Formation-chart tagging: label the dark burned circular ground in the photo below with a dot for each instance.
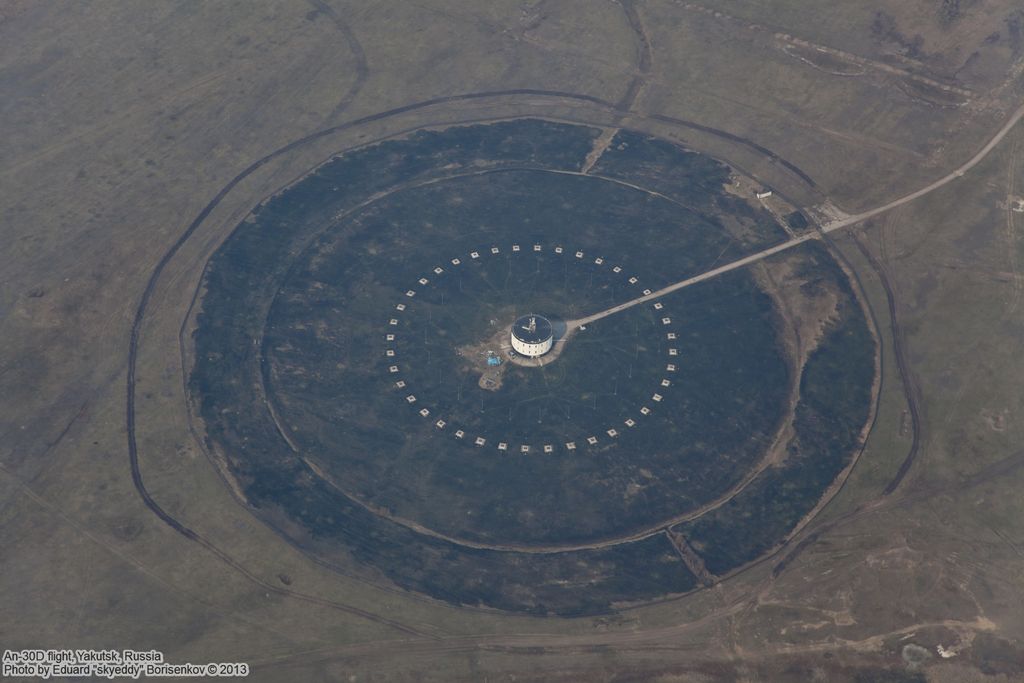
(372, 360)
(341, 359)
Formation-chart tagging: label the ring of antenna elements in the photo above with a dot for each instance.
(595, 440)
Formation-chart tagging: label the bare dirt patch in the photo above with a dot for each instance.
(804, 307)
(932, 93)
(498, 346)
(824, 61)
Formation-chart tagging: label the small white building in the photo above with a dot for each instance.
(532, 335)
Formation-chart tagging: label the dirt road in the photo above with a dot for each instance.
(838, 224)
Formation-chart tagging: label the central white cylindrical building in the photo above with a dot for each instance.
(532, 335)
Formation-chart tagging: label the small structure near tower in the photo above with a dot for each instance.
(532, 335)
